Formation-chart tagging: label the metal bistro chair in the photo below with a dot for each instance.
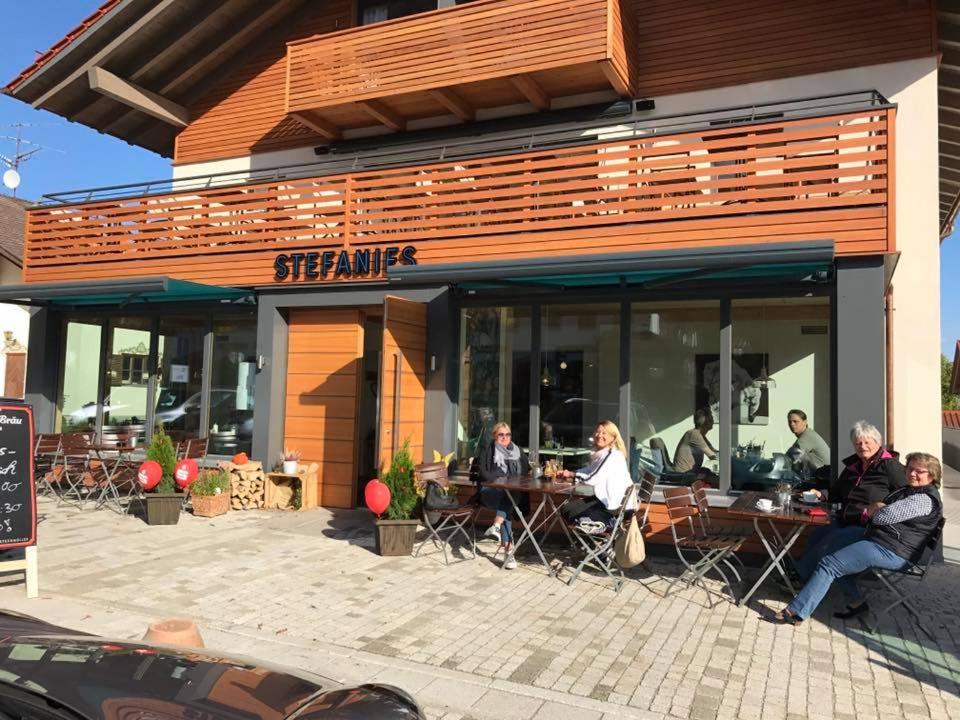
(46, 455)
(705, 552)
(598, 552)
(447, 522)
(709, 530)
(117, 476)
(893, 582)
(75, 483)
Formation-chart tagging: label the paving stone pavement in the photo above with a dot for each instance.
(472, 641)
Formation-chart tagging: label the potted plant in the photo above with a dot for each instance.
(162, 502)
(395, 535)
(290, 460)
(210, 493)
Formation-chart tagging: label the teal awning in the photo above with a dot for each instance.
(126, 291)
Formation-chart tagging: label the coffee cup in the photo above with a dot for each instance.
(810, 497)
(765, 504)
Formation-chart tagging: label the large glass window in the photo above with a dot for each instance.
(77, 404)
(180, 375)
(781, 363)
(579, 377)
(674, 380)
(495, 375)
(126, 374)
(233, 375)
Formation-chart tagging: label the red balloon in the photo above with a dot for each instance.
(377, 497)
(186, 472)
(149, 474)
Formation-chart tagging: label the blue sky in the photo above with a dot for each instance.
(89, 159)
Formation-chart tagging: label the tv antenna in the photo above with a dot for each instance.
(23, 150)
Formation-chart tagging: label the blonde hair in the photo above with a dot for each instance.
(499, 426)
(930, 464)
(611, 429)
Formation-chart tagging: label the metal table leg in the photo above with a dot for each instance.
(776, 556)
(527, 532)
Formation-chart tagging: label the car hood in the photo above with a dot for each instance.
(99, 678)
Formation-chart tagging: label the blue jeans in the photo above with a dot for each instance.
(824, 541)
(842, 566)
(497, 500)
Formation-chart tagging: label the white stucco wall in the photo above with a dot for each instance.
(912, 85)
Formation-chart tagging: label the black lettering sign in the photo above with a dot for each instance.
(341, 264)
(18, 499)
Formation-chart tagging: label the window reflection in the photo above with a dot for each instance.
(77, 403)
(232, 380)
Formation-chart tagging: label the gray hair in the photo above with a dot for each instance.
(861, 428)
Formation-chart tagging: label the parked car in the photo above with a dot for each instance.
(176, 414)
(52, 673)
(573, 421)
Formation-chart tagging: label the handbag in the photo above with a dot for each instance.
(437, 499)
(629, 548)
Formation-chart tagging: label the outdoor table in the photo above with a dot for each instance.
(110, 456)
(776, 545)
(548, 489)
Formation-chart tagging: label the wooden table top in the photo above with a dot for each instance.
(746, 506)
(528, 483)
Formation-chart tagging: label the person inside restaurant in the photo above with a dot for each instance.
(501, 457)
(810, 452)
(694, 446)
(868, 476)
(896, 532)
(607, 473)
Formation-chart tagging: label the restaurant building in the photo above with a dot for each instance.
(394, 220)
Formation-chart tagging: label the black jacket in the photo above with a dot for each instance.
(857, 488)
(908, 538)
(485, 470)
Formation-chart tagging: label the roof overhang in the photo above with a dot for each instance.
(83, 293)
(656, 268)
(948, 101)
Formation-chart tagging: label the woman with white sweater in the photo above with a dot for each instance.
(609, 476)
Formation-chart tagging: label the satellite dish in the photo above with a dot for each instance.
(11, 178)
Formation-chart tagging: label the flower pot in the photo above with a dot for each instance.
(290, 467)
(210, 505)
(163, 508)
(394, 538)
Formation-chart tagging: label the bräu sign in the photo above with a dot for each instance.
(344, 263)
(18, 499)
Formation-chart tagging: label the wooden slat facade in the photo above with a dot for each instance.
(473, 51)
(324, 353)
(669, 47)
(768, 182)
(404, 337)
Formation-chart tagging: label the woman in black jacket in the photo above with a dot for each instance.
(868, 476)
(501, 457)
(897, 531)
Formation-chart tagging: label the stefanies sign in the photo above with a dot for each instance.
(354, 263)
(18, 500)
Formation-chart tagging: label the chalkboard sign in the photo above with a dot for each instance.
(18, 499)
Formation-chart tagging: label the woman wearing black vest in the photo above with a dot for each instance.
(896, 533)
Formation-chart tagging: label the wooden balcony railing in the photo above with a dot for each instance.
(813, 178)
(459, 60)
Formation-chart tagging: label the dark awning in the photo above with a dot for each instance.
(124, 291)
(784, 261)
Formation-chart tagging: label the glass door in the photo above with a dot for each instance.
(79, 383)
(126, 374)
(179, 383)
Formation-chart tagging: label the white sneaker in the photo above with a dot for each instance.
(592, 527)
(492, 532)
(510, 562)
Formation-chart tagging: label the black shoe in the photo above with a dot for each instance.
(852, 612)
(781, 618)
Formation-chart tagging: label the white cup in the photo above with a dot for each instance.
(810, 497)
(765, 504)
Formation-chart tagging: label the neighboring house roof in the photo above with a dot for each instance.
(12, 220)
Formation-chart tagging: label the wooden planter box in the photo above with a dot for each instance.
(394, 538)
(162, 508)
(210, 505)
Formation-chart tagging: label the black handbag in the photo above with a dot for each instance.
(437, 499)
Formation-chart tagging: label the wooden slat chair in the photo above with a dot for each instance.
(74, 482)
(698, 553)
(893, 581)
(457, 520)
(598, 553)
(46, 457)
(195, 448)
(731, 533)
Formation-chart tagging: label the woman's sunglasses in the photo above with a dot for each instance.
(504, 435)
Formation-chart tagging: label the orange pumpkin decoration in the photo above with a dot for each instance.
(240, 459)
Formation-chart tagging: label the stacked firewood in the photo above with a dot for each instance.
(246, 485)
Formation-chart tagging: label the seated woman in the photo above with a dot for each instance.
(694, 446)
(869, 475)
(897, 531)
(607, 473)
(501, 458)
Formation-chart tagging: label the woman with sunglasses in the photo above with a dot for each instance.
(502, 458)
